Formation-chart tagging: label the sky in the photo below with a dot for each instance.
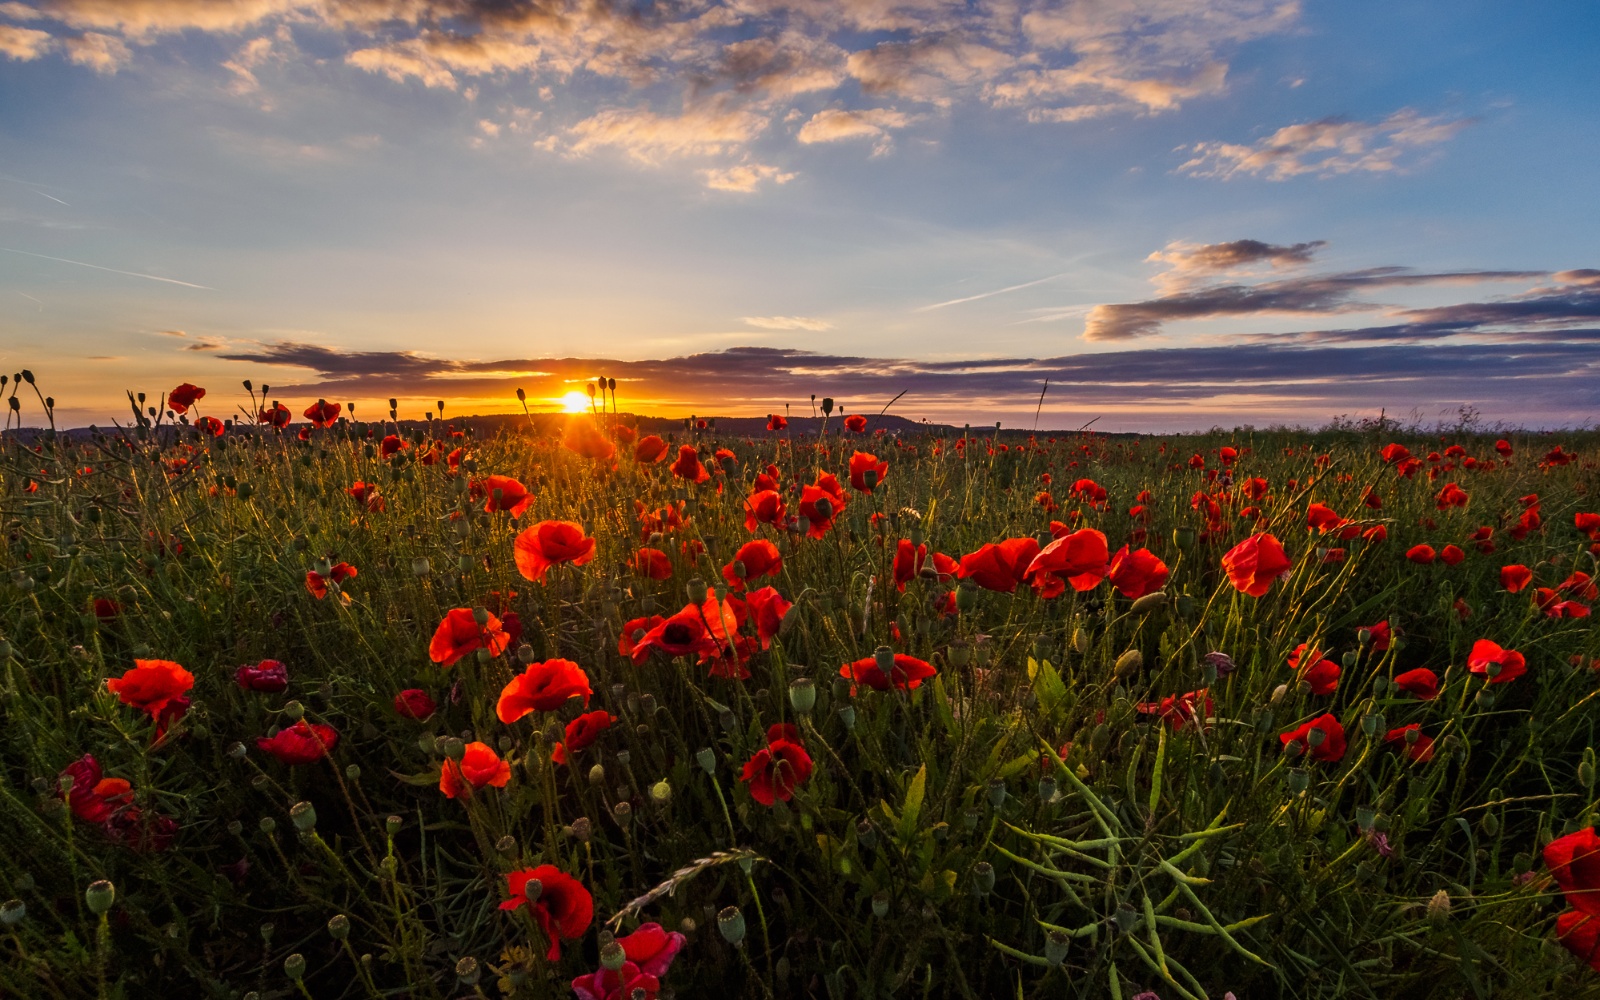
(1182, 213)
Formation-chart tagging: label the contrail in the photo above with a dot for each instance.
(97, 267)
(30, 298)
(998, 291)
(52, 198)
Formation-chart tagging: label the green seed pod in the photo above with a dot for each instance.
(339, 927)
(267, 824)
(661, 792)
(1299, 781)
(1055, 947)
(802, 695)
(880, 904)
(982, 878)
(847, 715)
(997, 792)
(1586, 769)
(295, 967)
(866, 834)
(13, 912)
(468, 970)
(304, 815)
(391, 826)
(731, 923)
(294, 710)
(99, 896)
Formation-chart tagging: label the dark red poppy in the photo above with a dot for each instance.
(106, 609)
(623, 434)
(908, 561)
(649, 449)
(684, 634)
(584, 438)
(542, 687)
(862, 463)
(390, 445)
(367, 495)
(819, 507)
(1451, 555)
(1137, 573)
(1380, 636)
(184, 396)
(1422, 554)
(907, 674)
(277, 415)
(581, 734)
(688, 467)
(652, 948)
(767, 608)
(317, 584)
(1507, 664)
(1421, 682)
(775, 770)
(1395, 453)
(1255, 563)
(322, 413)
(1579, 933)
(157, 687)
(564, 908)
(266, 677)
(855, 423)
(652, 564)
(1321, 674)
(776, 422)
(211, 426)
(414, 704)
(1515, 577)
(1079, 558)
(635, 630)
(507, 494)
(94, 798)
(1451, 496)
(764, 507)
(1418, 748)
(1323, 518)
(758, 558)
(301, 743)
(1175, 710)
(1000, 567)
(1574, 860)
(1332, 746)
(459, 634)
(550, 543)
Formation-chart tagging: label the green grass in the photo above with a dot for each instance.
(940, 847)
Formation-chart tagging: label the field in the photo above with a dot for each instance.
(311, 706)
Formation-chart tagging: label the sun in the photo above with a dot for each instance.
(575, 402)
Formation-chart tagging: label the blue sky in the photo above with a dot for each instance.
(1175, 210)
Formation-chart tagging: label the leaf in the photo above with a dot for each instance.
(1018, 764)
(912, 810)
(423, 780)
(1047, 685)
(941, 705)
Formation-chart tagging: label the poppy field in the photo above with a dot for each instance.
(304, 705)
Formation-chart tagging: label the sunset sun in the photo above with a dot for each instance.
(574, 402)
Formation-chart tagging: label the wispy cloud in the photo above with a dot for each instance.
(112, 270)
(991, 294)
(787, 322)
(1327, 148)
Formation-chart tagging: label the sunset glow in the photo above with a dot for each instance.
(575, 402)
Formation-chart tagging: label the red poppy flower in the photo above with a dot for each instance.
(414, 704)
(1579, 584)
(1080, 558)
(1381, 636)
(907, 674)
(908, 561)
(684, 634)
(1394, 453)
(1422, 555)
(1321, 674)
(267, 677)
(211, 426)
(764, 507)
(1419, 750)
(1451, 496)
(1421, 682)
(1515, 577)
(367, 495)
(184, 396)
(459, 634)
(322, 413)
(301, 743)
(276, 415)
(855, 423)
(581, 734)
(542, 687)
(1333, 745)
(623, 434)
(1588, 523)
(317, 584)
(1574, 860)
(649, 449)
(1323, 518)
(768, 480)
(860, 464)
(775, 770)
(157, 687)
(1255, 563)
(584, 438)
(1376, 533)
(652, 564)
(479, 766)
(1451, 555)
(564, 908)
(390, 445)
(688, 467)
(1579, 933)
(106, 609)
(1137, 573)
(624, 983)
(651, 948)
(1175, 710)
(776, 422)
(635, 630)
(94, 798)
(759, 558)
(820, 504)
(507, 494)
(550, 543)
(767, 608)
(1001, 567)
(1510, 663)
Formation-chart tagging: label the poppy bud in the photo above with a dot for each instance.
(884, 657)
(1484, 699)
(982, 878)
(13, 912)
(452, 747)
(802, 524)
(295, 966)
(966, 597)
(847, 715)
(304, 815)
(391, 826)
(1129, 661)
(803, 695)
(1380, 685)
(1278, 693)
(1149, 602)
(464, 564)
(339, 927)
(1586, 769)
(100, 895)
(294, 710)
(870, 478)
(827, 405)
(728, 720)
(1183, 538)
(880, 904)
(1439, 908)
(1351, 658)
(1055, 947)
(1371, 724)
(731, 923)
(1299, 780)
(696, 590)
(522, 396)
(597, 775)
(468, 970)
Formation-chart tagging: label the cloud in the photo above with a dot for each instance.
(1332, 294)
(1234, 255)
(206, 344)
(1148, 389)
(1327, 148)
(24, 44)
(744, 177)
(787, 322)
(704, 77)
